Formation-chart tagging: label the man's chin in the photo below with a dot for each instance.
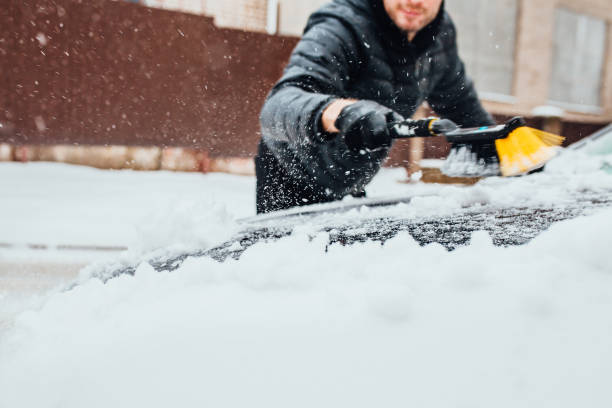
(410, 29)
(409, 26)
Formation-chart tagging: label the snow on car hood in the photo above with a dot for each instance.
(361, 326)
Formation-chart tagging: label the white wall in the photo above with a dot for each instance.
(293, 15)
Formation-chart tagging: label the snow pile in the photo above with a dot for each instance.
(366, 325)
(185, 225)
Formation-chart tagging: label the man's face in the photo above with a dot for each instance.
(412, 15)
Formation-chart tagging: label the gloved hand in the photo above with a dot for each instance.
(364, 125)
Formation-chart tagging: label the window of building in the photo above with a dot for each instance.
(578, 58)
(486, 33)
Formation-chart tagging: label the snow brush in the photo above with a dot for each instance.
(511, 149)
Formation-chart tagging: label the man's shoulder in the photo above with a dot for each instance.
(447, 34)
(448, 26)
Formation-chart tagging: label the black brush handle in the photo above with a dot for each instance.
(485, 133)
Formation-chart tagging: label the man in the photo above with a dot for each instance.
(359, 65)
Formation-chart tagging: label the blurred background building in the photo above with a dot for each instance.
(522, 54)
(193, 73)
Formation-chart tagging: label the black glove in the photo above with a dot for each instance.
(364, 125)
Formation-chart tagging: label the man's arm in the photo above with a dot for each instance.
(313, 82)
(454, 96)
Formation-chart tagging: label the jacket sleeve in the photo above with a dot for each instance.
(317, 73)
(454, 96)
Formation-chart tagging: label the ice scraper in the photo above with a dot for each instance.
(510, 149)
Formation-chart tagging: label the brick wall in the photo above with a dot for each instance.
(117, 73)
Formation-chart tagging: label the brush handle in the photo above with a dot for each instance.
(485, 133)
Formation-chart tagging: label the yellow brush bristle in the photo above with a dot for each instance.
(548, 138)
(525, 149)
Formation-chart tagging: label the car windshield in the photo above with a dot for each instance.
(599, 143)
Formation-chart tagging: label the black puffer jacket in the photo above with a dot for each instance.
(352, 49)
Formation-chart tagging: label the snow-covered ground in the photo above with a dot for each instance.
(290, 324)
(57, 204)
